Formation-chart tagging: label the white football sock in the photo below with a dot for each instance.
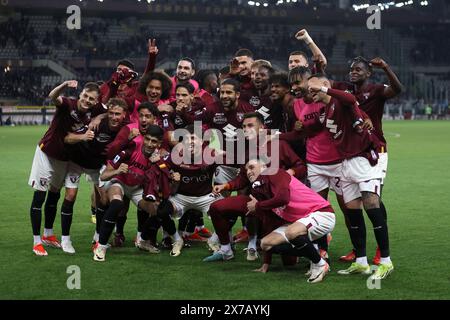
(198, 228)
(138, 236)
(252, 242)
(385, 260)
(165, 234)
(95, 238)
(65, 238)
(37, 240)
(225, 248)
(176, 236)
(362, 261)
(214, 238)
(320, 263)
(48, 232)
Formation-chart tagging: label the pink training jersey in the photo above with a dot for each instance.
(320, 147)
(302, 203)
(137, 164)
(286, 196)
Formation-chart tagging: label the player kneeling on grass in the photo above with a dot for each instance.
(305, 216)
(126, 174)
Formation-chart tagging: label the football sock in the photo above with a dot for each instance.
(320, 263)
(120, 224)
(183, 221)
(322, 243)
(225, 248)
(37, 240)
(164, 213)
(362, 261)
(214, 238)
(99, 214)
(141, 218)
(357, 231)
(176, 236)
(385, 260)
(50, 208)
(306, 248)
(48, 232)
(252, 242)
(109, 221)
(150, 228)
(95, 238)
(383, 208)
(36, 211)
(380, 229)
(66, 216)
(65, 238)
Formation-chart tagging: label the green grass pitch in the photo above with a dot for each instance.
(417, 197)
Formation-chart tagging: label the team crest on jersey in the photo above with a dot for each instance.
(239, 116)
(254, 101)
(219, 118)
(43, 182)
(366, 95)
(178, 121)
(256, 184)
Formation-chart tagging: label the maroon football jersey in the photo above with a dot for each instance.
(339, 121)
(226, 121)
(371, 101)
(66, 119)
(92, 154)
(287, 159)
(179, 121)
(196, 179)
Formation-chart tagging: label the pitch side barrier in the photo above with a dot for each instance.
(26, 115)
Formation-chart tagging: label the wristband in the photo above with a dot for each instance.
(324, 89)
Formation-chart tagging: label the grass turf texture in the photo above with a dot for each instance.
(416, 196)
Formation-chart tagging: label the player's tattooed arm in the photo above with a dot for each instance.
(55, 94)
(73, 138)
(110, 172)
(395, 86)
(318, 57)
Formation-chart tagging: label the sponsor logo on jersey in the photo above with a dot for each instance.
(254, 101)
(196, 179)
(74, 179)
(366, 95)
(103, 138)
(219, 118)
